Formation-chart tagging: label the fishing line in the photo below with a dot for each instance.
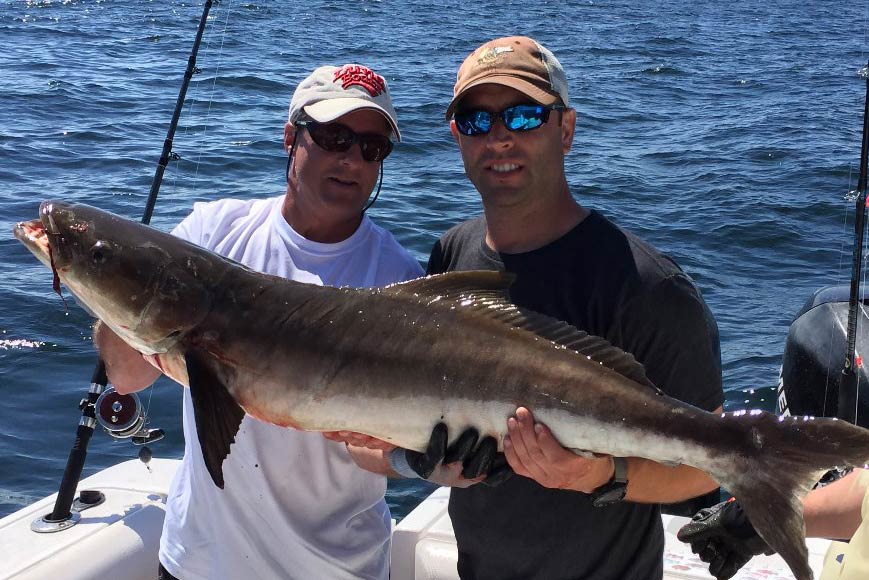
(196, 164)
(850, 381)
(62, 515)
(861, 189)
(213, 90)
(865, 72)
(865, 30)
(191, 105)
(850, 386)
(849, 198)
(838, 279)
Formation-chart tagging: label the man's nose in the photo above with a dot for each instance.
(353, 155)
(499, 136)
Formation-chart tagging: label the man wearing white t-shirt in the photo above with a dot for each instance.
(294, 505)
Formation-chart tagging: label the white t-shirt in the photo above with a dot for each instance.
(294, 505)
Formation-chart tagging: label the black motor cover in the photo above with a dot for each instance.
(814, 357)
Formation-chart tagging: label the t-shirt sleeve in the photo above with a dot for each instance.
(190, 228)
(436, 259)
(671, 330)
(414, 270)
(437, 263)
(393, 262)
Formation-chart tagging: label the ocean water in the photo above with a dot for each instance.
(726, 133)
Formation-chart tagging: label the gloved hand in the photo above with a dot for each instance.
(460, 465)
(724, 538)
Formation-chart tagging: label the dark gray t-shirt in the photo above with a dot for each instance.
(607, 282)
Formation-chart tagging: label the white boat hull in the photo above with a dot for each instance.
(119, 538)
(424, 548)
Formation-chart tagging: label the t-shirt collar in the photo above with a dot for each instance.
(296, 240)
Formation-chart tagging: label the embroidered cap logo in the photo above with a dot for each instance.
(361, 76)
(490, 55)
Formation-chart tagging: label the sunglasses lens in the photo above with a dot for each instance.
(374, 147)
(337, 138)
(331, 137)
(473, 122)
(524, 117)
(516, 118)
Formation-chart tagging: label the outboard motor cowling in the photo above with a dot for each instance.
(814, 356)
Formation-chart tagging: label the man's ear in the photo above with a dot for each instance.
(454, 130)
(289, 136)
(568, 128)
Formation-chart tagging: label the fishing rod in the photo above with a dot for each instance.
(120, 414)
(848, 386)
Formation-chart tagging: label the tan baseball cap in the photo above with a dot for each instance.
(330, 92)
(517, 62)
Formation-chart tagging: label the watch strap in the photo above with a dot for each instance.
(616, 488)
(398, 462)
(620, 473)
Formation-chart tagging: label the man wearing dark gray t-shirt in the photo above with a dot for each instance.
(564, 516)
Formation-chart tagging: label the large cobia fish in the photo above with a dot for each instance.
(394, 361)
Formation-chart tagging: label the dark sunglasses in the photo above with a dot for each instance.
(335, 138)
(516, 118)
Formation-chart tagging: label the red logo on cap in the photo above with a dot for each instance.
(362, 76)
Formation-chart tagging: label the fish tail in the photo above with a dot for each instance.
(783, 458)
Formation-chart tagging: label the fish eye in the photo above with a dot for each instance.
(100, 252)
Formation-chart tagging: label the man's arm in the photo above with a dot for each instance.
(373, 460)
(834, 511)
(462, 464)
(533, 451)
(126, 369)
(723, 535)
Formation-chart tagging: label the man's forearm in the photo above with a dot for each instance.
(833, 511)
(125, 367)
(651, 482)
(373, 460)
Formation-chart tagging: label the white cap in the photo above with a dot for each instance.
(330, 92)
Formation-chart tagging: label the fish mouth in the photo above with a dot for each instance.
(37, 235)
(35, 238)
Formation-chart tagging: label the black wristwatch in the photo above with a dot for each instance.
(614, 491)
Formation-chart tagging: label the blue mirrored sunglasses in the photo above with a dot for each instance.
(516, 118)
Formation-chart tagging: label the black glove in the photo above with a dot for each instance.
(723, 537)
(477, 459)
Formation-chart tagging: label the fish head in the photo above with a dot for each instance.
(150, 287)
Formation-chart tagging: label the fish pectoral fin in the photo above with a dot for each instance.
(217, 414)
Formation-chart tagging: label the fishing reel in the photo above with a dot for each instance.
(123, 417)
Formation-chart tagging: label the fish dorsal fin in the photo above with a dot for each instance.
(485, 293)
(456, 285)
(594, 347)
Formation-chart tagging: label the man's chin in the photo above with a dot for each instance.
(504, 196)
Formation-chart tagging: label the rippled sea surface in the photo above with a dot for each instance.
(726, 133)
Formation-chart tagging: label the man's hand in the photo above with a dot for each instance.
(723, 537)
(533, 451)
(126, 368)
(462, 464)
(358, 440)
